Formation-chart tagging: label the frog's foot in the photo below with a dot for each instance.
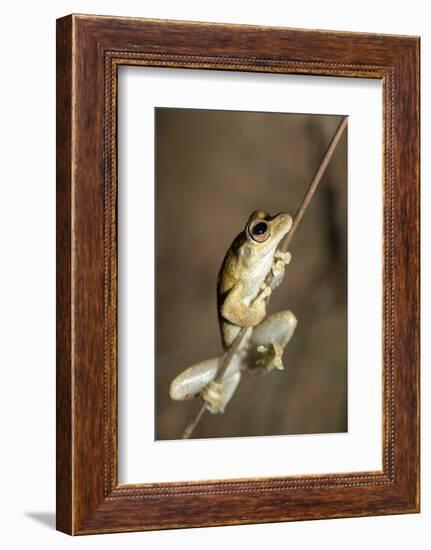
(218, 394)
(285, 257)
(265, 291)
(213, 395)
(271, 357)
(281, 259)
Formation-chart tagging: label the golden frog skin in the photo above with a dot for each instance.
(242, 296)
(241, 289)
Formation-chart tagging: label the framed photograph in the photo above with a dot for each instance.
(237, 274)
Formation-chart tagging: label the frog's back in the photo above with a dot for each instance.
(227, 279)
(227, 276)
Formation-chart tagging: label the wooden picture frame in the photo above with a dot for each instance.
(89, 51)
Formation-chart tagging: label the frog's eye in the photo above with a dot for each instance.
(259, 231)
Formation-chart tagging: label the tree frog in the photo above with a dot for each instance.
(241, 300)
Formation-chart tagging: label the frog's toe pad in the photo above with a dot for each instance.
(285, 257)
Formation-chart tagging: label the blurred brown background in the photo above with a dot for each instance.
(213, 168)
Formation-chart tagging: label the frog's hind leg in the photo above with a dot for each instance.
(199, 379)
(277, 328)
(269, 339)
(192, 380)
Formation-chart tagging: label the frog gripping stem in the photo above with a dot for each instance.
(283, 248)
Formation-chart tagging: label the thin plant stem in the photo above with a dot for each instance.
(283, 247)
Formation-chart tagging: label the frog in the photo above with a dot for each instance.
(243, 290)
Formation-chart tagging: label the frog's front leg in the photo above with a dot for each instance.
(270, 338)
(236, 311)
(281, 259)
